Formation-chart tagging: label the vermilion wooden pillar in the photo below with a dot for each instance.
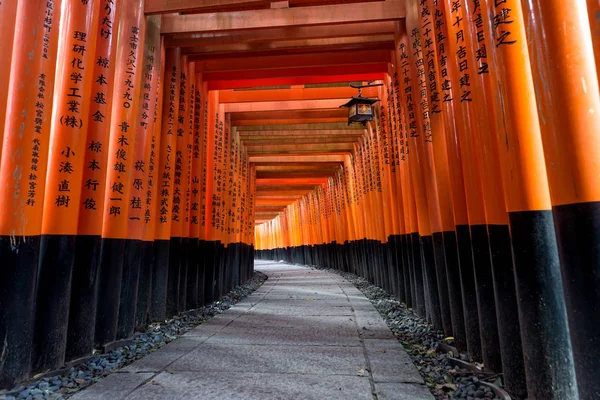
(177, 251)
(8, 15)
(164, 198)
(549, 370)
(486, 122)
(566, 82)
(121, 156)
(151, 179)
(23, 171)
(135, 271)
(70, 120)
(82, 313)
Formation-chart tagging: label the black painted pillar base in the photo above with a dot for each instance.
(484, 284)
(84, 292)
(455, 290)
(201, 272)
(578, 234)
(408, 270)
(129, 288)
(418, 273)
(109, 290)
(173, 279)
(429, 268)
(160, 275)
(439, 251)
(183, 267)
(18, 275)
(53, 297)
(509, 330)
(192, 274)
(469, 293)
(142, 310)
(549, 366)
(209, 271)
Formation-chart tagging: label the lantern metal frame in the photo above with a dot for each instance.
(360, 109)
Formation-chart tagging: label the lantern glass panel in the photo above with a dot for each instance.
(352, 111)
(365, 109)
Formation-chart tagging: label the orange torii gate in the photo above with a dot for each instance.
(140, 180)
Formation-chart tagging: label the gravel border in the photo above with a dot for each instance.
(422, 341)
(158, 335)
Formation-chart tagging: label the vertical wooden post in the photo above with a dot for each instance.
(486, 147)
(211, 160)
(460, 74)
(168, 145)
(135, 273)
(82, 314)
(177, 251)
(194, 147)
(593, 10)
(549, 371)
(23, 171)
(62, 196)
(121, 166)
(151, 182)
(569, 113)
(8, 16)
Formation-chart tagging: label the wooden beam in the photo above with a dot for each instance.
(292, 94)
(269, 34)
(303, 16)
(296, 60)
(300, 148)
(303, 80)
(285, 114)
(381, 42)
(176, 6)
(252, 134)
(303, 158)
(291, 192)
(295, 166)
(299, 127)
(285, 105)
(281, 140)
(288, 174)
(370, 68)
(250, 122)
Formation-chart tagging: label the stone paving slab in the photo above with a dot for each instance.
(304, 334)
(253, 386)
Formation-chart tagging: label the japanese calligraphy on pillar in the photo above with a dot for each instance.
(191, 98)
(417, 52)
(179, 177)
(428, 33)
(140, 197)
(408, 91)
(501, 21)
(458, 22)
(121, 150)
(196, 148)
(168, 143)
(481, 50)
(27, 122)
(70, 118)
(94, 172)
(442, 41)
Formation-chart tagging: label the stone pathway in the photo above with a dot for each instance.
(304, 334)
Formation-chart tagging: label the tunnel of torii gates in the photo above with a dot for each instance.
(151, 149)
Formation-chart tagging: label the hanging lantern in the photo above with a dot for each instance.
(360, 109)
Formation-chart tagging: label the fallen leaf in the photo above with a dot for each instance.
(361, 372)
(446, 387)
(449, 338)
